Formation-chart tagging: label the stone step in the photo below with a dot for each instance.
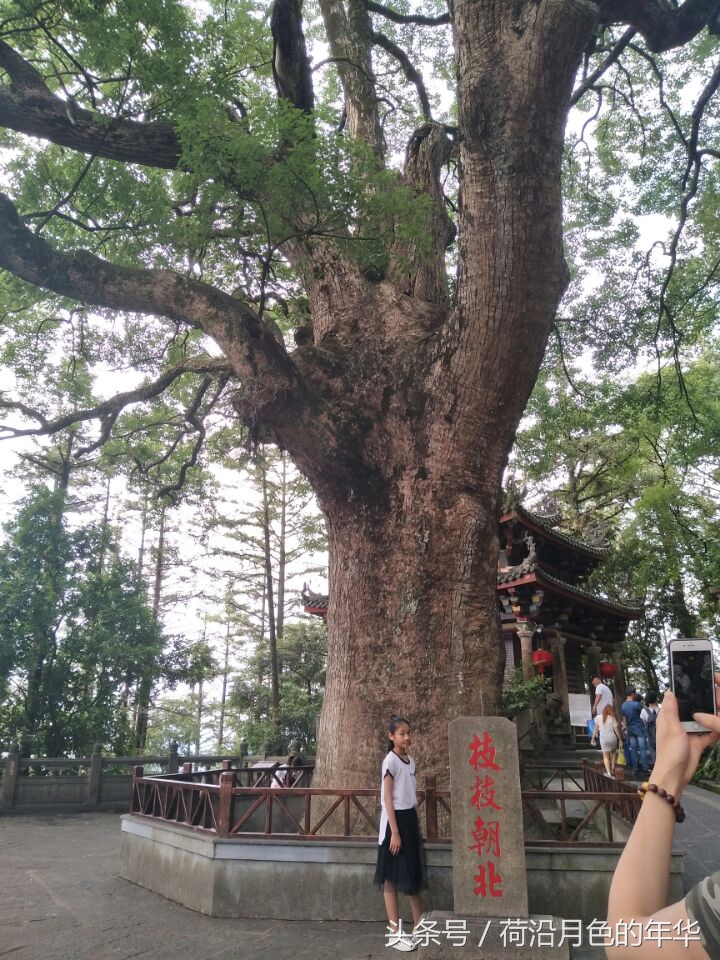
(574, 757)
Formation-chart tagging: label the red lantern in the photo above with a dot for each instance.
(607, 670)
(542, 659)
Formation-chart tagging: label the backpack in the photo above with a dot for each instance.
(650, 725)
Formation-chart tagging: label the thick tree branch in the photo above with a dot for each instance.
(109, 410)
(663, 24)
(253, 350)
(349, 35)
(416, 18)
(709, 91)
(291, 66)
(410, 72)
(29, 106)
(511, 268)
(417, 269)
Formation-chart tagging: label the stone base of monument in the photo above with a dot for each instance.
(492, 938)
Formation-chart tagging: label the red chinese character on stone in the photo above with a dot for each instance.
(487, 837)
(488, 880)
(482, 753)
(484, 795)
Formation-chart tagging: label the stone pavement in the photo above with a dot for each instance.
(699, 836)
(61, 899)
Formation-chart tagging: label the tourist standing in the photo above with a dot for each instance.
(637, 744)
(608, 729)
(399, 864)
(603, 697)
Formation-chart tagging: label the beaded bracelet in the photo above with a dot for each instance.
(646, 788)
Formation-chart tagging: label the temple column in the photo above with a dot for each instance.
(619, 677)
(508, 642)
(557, 647)
(593, 655)
(525, 631)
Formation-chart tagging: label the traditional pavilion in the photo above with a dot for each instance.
(550, 622)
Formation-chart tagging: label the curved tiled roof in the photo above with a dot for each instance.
(544, 525)
(317, 602)
(510, 575)
(314, 601)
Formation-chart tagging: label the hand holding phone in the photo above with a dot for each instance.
(692, 676)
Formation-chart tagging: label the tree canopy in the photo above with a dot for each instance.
(76, 632)
(641, 461)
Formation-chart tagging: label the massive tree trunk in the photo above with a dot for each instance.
(413, 623)
(413, 626)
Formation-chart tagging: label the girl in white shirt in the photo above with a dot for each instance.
(399, 864)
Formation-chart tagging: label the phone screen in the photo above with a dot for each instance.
(693, 681)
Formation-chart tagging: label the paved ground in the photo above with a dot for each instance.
(699, 836)
(61, 899)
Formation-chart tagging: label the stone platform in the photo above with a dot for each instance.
(333, 881)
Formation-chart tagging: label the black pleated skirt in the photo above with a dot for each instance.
(405, 870)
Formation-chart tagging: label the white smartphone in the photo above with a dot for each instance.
(692, 676)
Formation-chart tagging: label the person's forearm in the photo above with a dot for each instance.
(649, 847)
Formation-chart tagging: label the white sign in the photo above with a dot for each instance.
(580, 709)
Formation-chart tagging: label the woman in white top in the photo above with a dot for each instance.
(606, 725)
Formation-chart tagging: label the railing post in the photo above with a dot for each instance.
(227, 785)
(12, 767)
(92, 800)
(135, 805)
(187, 767)
(431, 821)
(173, 761)
(227, 765)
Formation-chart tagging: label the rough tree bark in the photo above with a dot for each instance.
(402, 410)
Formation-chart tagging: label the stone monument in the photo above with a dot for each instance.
(489, 877)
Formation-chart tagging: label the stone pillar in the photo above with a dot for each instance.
(489, 873)
(489, 876)
(94, 778)
(619, 677)
(557, 647)
(12, 768)
(525, 630)
(173, 758)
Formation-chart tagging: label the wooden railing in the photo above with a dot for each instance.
(102, 782)
(602, 808)
(277, 775)
(626, 804)
(536, 775)
(607, 807)
(226, 803)
(293, 813)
